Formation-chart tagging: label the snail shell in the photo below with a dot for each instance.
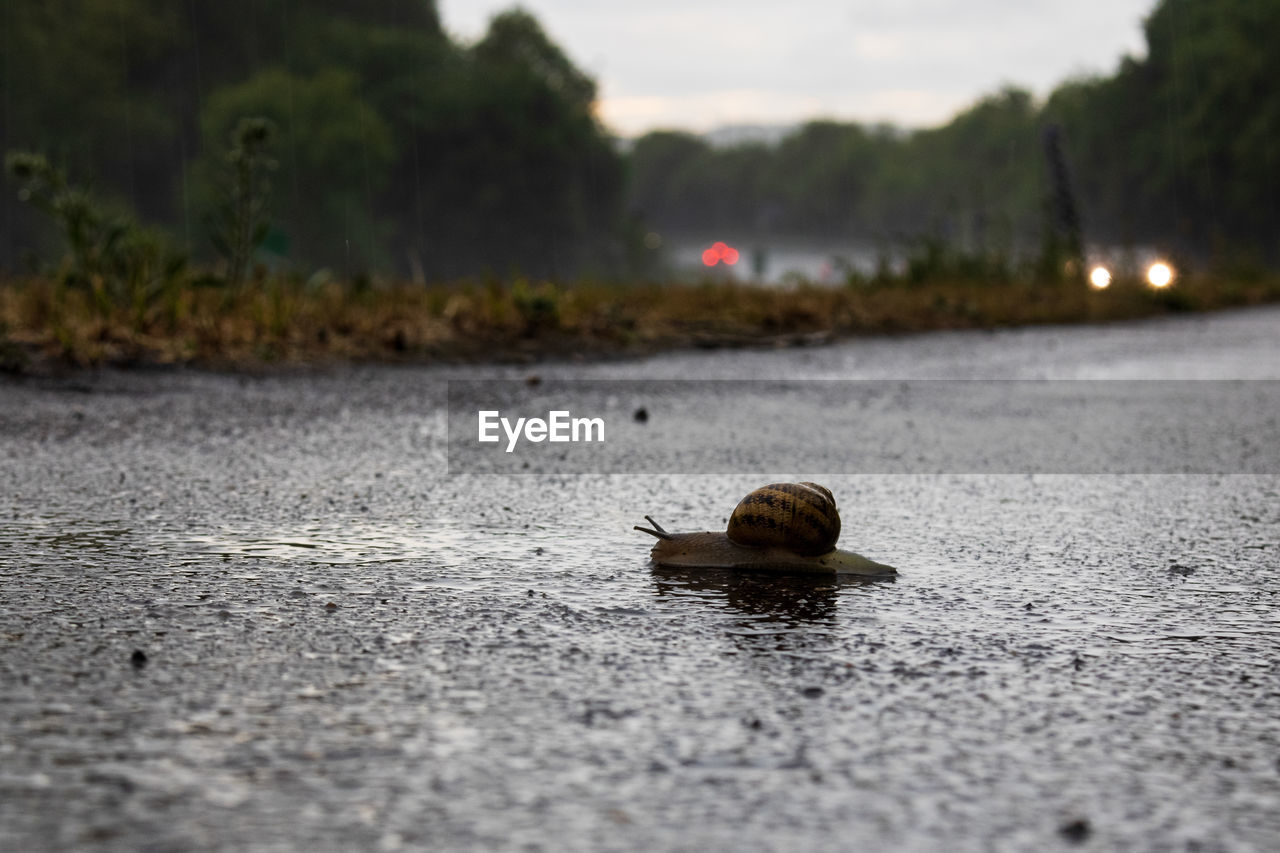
(799, 517)
(790, 527)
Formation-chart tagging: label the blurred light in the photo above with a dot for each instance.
(720, 252)
(1160, 275)
(1100, 278)
(653, 240)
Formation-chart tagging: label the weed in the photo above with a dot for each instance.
(539, 308)
(933, 260)
(240, 224)
(109, 256)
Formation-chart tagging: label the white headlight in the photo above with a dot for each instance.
(1160, 275)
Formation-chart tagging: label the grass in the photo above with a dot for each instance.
(283, 321)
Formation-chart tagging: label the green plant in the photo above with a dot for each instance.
(241, 222)
(148, 271)
(120, 263)
(539, 307)
(90, 231)
(931, 259)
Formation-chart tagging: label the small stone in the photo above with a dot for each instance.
(1075, 831)
(812, 692)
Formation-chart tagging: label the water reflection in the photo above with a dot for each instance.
(792, 616)
(64, 532)
(335, 541)
(793, 599)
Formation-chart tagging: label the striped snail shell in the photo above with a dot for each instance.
(785, 527)
(800, 517)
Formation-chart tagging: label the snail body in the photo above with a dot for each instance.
(788, 527)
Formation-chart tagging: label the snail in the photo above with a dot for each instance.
(789, 527)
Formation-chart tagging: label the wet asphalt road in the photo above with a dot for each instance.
(256, 613)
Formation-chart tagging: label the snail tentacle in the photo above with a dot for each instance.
(656, 531)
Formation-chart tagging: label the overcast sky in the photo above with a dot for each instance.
(700, 64)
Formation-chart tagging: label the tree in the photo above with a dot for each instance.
(334, 154)
(662, 165)
(70, 72)
(514, 169)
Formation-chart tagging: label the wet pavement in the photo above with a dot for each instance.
(257, 613)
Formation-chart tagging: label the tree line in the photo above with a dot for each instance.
(394, 147)
(1176, 149)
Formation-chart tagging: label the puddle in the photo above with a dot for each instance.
(347, 543)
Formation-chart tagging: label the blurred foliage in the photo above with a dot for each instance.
(401, 150)
(334, 154)
(973, 183)
(108, 255)
(1182, 143)
(240, 223)
(512, 167)
(13, 358)
(286, 319)
(398, 149)
(1176, 150)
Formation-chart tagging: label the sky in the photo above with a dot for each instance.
(703, 64)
